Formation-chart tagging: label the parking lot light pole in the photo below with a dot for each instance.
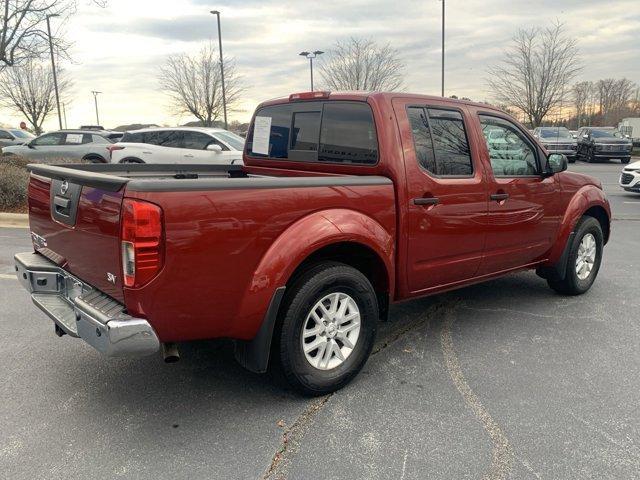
(443, 1)
(311, 56)
(53, 67)
(224, 95)
(95, 99)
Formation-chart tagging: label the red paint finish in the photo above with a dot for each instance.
(91, 248)
(227, 251)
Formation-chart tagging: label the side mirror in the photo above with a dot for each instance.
(212, 147)
(585, 136)
(574, 136)
(557, 162)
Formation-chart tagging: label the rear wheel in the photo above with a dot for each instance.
(131, 160)
(94, 159)
(584, 259)
(328, 328)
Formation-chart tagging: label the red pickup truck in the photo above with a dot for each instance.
(346, 203)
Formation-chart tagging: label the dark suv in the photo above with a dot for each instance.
(603, 143)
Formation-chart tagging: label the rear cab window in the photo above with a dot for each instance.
(341, 132)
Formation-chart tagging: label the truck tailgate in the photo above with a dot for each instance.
(78, 228)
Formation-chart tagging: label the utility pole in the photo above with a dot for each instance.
(95, 99)
(224, 95)
(53, 67)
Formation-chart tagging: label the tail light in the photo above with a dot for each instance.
(141, 242)
(112, 148)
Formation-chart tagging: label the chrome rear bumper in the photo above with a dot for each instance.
(82, 311)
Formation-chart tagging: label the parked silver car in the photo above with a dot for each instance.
(558, 140)
(88, 145)
(14, 136)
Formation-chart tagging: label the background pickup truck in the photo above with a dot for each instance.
(346, 203)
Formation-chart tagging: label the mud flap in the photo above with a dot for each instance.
(254, 354)
(559, 269)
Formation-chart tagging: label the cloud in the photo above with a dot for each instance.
(119, 49)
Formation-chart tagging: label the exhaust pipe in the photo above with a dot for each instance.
(170, 352)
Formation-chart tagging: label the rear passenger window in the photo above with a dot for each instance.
(165, 138)
(133, 137)
(440, 141)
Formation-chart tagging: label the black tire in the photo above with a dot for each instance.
(625, 160)
(131, 160)
(94, 159)
(571, 284)
(591, 158)
(307, 290)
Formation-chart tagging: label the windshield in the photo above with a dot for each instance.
(555, 133)
(235, 141)
(21, 134)
(606, 134)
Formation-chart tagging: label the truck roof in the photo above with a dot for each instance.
(364, 96)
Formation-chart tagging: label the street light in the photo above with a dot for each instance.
(311, 56)
(53, 67)
(224, 95)
(95, 99)
(443, 47)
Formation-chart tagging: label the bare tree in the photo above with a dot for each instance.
(534, 75)
(359, 64)
(582, 96)
(614, 97)
(195, 87)
(23, 29)
(28, 89)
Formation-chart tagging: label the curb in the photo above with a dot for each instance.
(14, 220)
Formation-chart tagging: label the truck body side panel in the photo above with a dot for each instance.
(216, 240)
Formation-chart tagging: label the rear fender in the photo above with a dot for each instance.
(295, 244)
(585, 198)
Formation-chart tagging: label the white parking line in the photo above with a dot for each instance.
(7, 276)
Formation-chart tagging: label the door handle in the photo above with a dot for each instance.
(188, 156)
(425, 201)
(499, 196)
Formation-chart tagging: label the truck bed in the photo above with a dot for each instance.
(226, 236)
(182, 177)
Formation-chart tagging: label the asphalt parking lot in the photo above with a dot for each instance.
(504, 380)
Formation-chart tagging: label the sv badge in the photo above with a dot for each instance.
(111, 278)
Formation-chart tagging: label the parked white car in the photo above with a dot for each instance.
(179, 145)
(630, 177)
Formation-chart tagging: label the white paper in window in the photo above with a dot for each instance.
(74, 138)
(261, 134)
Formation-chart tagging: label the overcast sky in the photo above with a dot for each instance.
(119, 49)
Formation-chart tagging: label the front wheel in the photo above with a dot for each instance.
(328, 328)
(584, 259)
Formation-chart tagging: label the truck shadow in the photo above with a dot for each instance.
(207, 381)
